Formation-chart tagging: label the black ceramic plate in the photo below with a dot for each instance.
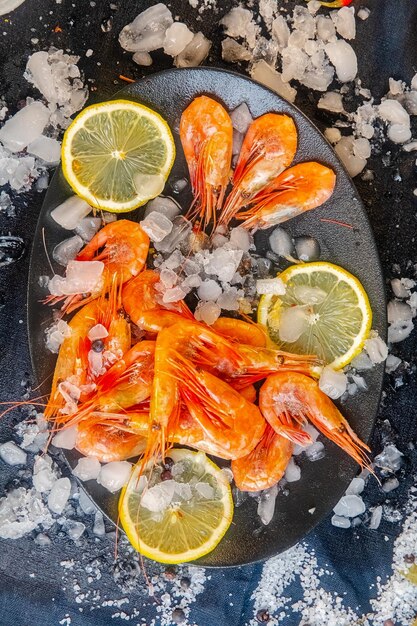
(323, 482)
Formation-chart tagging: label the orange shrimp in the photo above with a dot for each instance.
(265, 465)
(73, 371)
(225, 416)
(108, 443)
(298, 189)
(126, 384)
(123, 247)
(288, 399)
(140, 301)
(206, 134)
(240, 331)
(269, 147)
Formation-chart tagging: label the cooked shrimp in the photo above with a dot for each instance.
(206, 134)
(126, 384)
(268, 148)
(73, 373)
(298, 189)
(141, 303)
(240, 331)
(123, 248)
(225, 416)
(288, 399)
(265, 465)
(108, 443)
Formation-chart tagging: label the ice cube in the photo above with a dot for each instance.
(183, 490)
(309, 295)
(399, 289)
(157, 226)
(357, 485)
(195, 53)
(40, 72)
(42, 540)
(177, 37)
(191, 267)
(350, 506)
(67, 250)
(333, 383)
(266, 506)
(142, 58)
(168, 278)
(179, 185)
(392, 363)
(98, 331)
(44, 474)
(293, 323)
(399, 331)
(377, 349)
(303, 21)
(12, 454)
(159, 497)
(86, 504)
(340, 521)
(181, 229)
(207, 312)
(343, 57)
(21, 511)
(81, 277)
(389, 459)
(331, 101)
(315, 452)
(307, 248)
(46, 149)
(292, 472)
(74, 529)
(88, 227)
(98, 528)
(399, 133)
(209, 290)
(364, 13)
(87, 468)
(174, 260)
(65, 438)
(165, 205)
(147, 31)
(24, 127)
(234, 52)
(175, 294)
(191, 282)
(265, 74)
(59, 494)
(390, 484)
(281, 243)
(113, 476)
(362, 362)
(344, 21)
(240, 238)
(345, 151)
(71, 212)
(280, 31)
(376, 518)
(392, 111)
(204, 490)
(230, 298)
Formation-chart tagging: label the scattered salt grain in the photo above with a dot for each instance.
(11, 454)
(87, 468)
(65, 438)
(266, 505)
(70, 212)
(113, 476)
(350, 506)
(22, 511)
(340, 521)
(273, 286)
(292, 472)
(67, 250)
(59, 494)
(333, 383)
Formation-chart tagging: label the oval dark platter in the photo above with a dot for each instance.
(323, 482)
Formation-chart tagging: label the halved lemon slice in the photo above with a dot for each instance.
(325, 311)
(180, 519)
(117, 155)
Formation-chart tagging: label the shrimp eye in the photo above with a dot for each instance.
(97, 345)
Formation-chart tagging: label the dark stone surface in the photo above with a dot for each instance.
(386, 47)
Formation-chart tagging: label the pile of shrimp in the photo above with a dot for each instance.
(137, 376)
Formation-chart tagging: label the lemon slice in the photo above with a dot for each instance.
(333, 315)
(179, 519)
(117, 155)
